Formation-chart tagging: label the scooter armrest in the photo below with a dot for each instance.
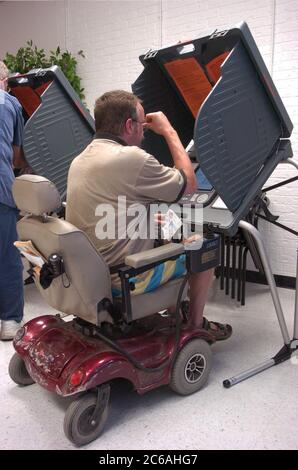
(162, 253)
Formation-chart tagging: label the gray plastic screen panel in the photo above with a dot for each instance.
(54, 135)
(58, 126)
(236, 129)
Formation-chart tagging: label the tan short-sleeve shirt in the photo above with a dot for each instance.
(106, 171)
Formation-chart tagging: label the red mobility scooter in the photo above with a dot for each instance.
(107, 340)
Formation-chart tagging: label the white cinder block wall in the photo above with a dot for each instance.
(114, 33)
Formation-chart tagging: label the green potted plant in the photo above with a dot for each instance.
(30, 57)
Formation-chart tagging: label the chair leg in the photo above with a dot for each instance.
(244, 276)
(239, 272)
(228, 265)
(234, 269)
(222, 262)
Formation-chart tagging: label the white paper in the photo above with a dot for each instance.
(28, 250)
(171, 224)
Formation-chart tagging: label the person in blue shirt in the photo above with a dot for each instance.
(11, 156)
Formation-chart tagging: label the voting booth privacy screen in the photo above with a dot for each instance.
(57, 125)
(218, 91)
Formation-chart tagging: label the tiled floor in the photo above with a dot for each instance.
(260, 413)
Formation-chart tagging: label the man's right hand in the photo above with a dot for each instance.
(158, 123)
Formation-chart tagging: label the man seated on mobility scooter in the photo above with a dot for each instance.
(113, 169)
(120, 336)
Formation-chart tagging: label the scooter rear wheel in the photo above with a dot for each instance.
(80, 427)
(192, 367)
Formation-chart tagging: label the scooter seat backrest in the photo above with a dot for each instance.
(86, 283)
(36, 195)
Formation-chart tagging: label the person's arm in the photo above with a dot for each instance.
(3, 84)
(159, 124)
(19, 160)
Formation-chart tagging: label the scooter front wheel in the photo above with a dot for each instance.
(18, 372)
(85, 418)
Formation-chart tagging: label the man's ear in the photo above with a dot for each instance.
(128, 126)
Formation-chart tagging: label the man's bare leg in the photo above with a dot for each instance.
(199, 284)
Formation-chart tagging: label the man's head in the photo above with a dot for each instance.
(3, 76)
(120, 113)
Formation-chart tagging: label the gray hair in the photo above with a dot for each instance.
(3, 71)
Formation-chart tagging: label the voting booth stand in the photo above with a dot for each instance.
(218, 91)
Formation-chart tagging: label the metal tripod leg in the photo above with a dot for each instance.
(293, 162)
(286, 351)
(269, 276)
